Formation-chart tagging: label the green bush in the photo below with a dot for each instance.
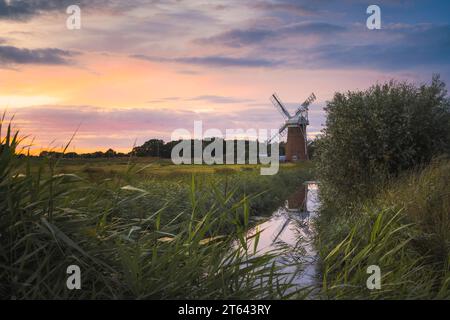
(385, 197)
(375, 134)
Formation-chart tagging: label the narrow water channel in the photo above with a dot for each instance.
(290, 231)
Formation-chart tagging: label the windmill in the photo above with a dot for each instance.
(294, 127)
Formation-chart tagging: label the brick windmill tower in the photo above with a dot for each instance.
(295, 127)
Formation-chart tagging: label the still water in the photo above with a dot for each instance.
(289, 232)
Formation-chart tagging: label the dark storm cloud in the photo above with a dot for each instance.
(10, 55)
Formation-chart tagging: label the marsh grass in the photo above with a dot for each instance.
(404, 229)
(133, 237)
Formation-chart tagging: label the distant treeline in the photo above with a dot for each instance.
(110, 153)
(151, 148)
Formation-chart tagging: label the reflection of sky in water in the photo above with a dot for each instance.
(290, 230)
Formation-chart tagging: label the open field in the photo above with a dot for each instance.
(148, 167)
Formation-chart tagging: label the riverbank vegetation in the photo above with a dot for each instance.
(385, 191)
(135, 233)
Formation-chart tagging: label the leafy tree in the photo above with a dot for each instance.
(152, 148)
(377, 133)
(311, 147)
(110, 153)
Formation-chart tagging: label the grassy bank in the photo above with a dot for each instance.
(385, 196)
(404, 229)
(134, 233)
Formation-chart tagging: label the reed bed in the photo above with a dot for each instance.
(134, 237)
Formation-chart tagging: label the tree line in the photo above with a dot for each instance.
(151, 148)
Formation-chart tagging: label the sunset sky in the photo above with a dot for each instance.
(140, 69)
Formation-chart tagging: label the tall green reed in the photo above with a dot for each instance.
(127, 242)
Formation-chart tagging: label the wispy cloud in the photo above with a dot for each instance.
(214, 61)
(118, 128)
(214, 99)
(246, 37)
(219, 99)
(10, 55)
(23, 10)
(410, 48)
(291, 7)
